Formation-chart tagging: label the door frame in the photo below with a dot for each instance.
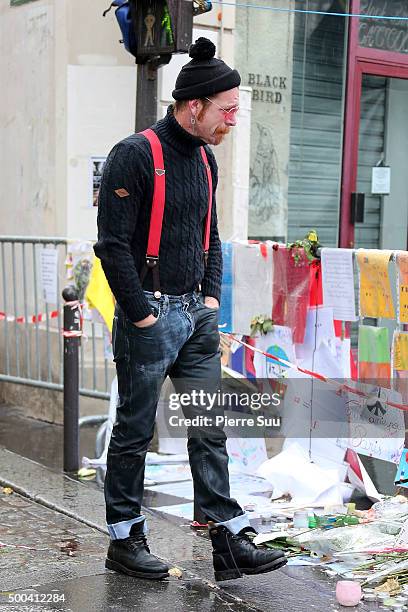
(360, 60)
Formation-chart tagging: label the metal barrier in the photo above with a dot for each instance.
(31, 327)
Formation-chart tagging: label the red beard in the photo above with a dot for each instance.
(220, 133)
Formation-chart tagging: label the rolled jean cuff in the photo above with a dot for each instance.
(237, 523)
(119, 531)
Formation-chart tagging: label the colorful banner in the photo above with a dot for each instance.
(402, 269)
(291, 290)
(98, 294)
(374, 360)
(375, 289)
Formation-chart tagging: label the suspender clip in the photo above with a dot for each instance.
(151, 261)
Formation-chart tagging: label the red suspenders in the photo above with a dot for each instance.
(156, 219)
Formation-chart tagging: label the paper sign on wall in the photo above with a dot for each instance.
(375, 289)
(381, 180)
(96, 170)
(49, 275)
(338, 283)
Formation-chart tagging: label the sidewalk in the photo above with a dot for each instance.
(62, 521)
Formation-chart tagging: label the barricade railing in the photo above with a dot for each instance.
(33, 274)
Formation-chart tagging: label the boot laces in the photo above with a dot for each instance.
(136, 541)
(244, 539)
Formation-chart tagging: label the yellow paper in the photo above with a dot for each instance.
(402, 267)
(401, 351)
(375, 289)
(99, 295)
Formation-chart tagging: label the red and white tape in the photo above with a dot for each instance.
(38, 318)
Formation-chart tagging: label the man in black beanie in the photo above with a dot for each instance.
(166, 318)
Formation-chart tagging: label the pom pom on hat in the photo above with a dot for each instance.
(202, 49)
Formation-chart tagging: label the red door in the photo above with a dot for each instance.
(371, 70)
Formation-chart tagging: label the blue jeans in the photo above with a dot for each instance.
(182, 344)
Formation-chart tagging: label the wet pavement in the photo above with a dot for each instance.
(62, 520)
(27, 436)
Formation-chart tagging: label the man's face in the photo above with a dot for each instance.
(213, 122)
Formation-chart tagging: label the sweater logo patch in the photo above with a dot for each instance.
(122, 193)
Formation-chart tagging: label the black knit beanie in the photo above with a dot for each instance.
(205, 75)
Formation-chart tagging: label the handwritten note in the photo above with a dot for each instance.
(338, 283)
(49, 275)
(402, 269)
(400, 351)
(375, 429)
(375, 289)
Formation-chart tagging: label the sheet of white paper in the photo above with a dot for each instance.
(381, 180)
(338, 283)
(325, 452)
(321, 361)
(49, 275)
(319, 328)
(341, 349)
(291, 472)
(246, 454)
(402, 539)
(253, 275)
(168, 473)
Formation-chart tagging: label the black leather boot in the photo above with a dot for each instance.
(132, 556)
(235, 555)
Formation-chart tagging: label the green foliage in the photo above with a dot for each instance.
(309, 245)
(261, 324)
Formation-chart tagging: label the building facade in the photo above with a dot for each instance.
(329, 127)
(322, 132)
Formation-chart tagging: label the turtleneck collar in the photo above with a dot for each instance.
(169, 130)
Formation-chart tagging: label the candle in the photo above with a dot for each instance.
(348, 593)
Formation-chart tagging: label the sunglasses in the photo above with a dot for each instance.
(228, 114)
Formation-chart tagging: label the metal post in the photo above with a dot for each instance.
(72, 323)
(146, 95)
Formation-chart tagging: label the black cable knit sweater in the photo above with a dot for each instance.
(123, 222)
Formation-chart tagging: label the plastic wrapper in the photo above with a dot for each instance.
(79, 261)
(391, 508)
(291, 290)
(347, 539)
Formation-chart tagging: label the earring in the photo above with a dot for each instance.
(192, 120)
